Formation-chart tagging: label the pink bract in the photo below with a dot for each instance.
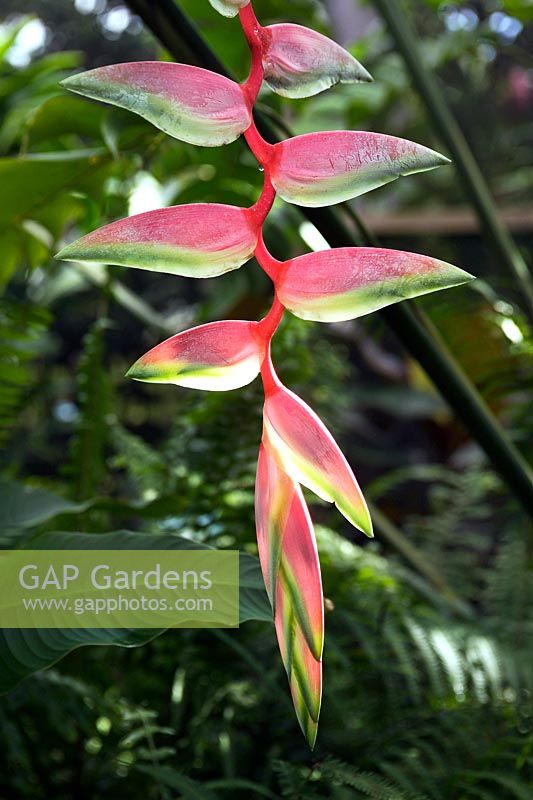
(205, 240)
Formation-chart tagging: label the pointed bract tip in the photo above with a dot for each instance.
(72, 83)
(309, 729)
(426, 159)
(134, 372)
(454, 276)
(62, 255)
(358, 516)
(70, 252)
(366, 526)
(442, 160)
(364, 75)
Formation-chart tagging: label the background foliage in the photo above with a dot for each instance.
(428, 654)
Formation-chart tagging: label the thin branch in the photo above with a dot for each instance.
(447, 128)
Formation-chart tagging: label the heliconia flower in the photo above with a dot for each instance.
(320, 169)
(300, 62)
(229, 8)
(218, 356)
(291, 570)
(200, 240)
(189, 103)
(311, 456)
(347, 282)
(205, 239)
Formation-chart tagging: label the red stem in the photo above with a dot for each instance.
(264, 202)
(266, 260)
(261, 149)
(253, 82)
(271, 382)
(250, 24)
(269, 324)
(252, 30)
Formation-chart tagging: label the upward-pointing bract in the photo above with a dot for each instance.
(320, 169)
(348, 282)
(300, 62)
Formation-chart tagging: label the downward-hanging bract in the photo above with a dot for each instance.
(291, 570)
(205, 239)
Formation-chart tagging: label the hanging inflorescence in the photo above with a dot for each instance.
(206, 239)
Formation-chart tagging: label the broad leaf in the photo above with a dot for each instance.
(299, 62)
(309, 454)
(347, 282)
(30, 181)
(291, 570)
(218, 356)
(23, 652)
(23, 506)
(229, 8)
(199, 240)
(189, 103)
(320, 169)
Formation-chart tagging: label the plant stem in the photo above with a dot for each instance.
(270, 323)
(167, 21)
(266, 260)
(261, 149)
(252, 31)
(447, 128)
(271, 382)
(264, 202)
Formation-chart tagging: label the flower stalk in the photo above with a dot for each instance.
(205, 240)
(174, 29)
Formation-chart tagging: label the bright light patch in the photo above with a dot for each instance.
(463, 19)
(90, 6)
(31, 38)
(146, 195)
(312, 237)
(505, 26)
(503, 308)
(511, 330)
(117, 20)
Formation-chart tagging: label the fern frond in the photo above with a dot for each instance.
(87, 451)
(506, 783)
(22, 327)
(143, 464)
(368, 784)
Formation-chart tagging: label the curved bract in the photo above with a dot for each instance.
(189, 103)
(200, 240)
(348, 282)
(205, 240)
(320, 169)
(299, 62)
(291, 571)
(217, 356)
(311, 456)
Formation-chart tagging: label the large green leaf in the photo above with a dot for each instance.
(29, 181)
(63, 114)
(23, 506)
(23, 652)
